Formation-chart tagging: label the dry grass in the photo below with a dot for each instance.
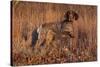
(26, 16)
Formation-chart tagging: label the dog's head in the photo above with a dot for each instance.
(71, 16)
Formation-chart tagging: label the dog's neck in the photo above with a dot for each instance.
(67, 22)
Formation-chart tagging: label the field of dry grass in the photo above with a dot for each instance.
(26, 16)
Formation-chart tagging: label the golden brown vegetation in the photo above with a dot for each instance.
(26, 16)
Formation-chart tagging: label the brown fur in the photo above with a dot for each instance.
(47, 32)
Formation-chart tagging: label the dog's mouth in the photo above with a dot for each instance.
(71, 21)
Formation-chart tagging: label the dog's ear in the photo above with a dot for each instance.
(75, 15)
(66, 15)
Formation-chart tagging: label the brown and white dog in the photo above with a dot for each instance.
(47, 32)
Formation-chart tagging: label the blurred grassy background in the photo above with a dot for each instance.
(26, 16)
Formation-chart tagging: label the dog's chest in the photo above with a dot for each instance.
(67, 27)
